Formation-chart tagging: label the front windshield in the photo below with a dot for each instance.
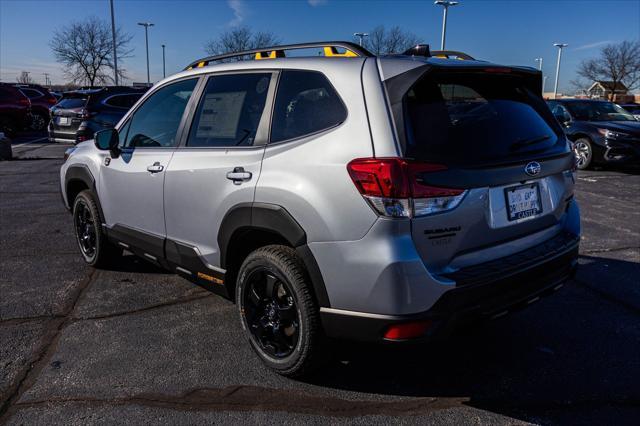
(598, 111)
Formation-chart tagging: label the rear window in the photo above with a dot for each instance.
(32, 93)
(123, 101)
(70, 103)
(474, 119)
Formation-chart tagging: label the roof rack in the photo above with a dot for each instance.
(452, 54)
(423, 50)
(330, 49)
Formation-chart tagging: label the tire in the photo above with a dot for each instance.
(6, 127)
(39, 122)
(5, 149)
(282, 324)
(96, 250)
(584, 153)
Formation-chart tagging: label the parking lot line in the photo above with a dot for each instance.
(30, 142)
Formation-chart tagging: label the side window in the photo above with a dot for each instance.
(156, 122)
(229, 111)
(305, 103)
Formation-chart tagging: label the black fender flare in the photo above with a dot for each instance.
(276, 219)
(80, 172)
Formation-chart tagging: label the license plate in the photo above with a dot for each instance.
(523, 201)
(63, 121)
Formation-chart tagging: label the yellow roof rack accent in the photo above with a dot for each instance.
(270, 54)
(332, 51)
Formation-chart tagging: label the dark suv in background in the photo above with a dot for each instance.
(602, 132)
(15, 109)
(41, 100)
(81, 113)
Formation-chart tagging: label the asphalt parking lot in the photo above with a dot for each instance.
(137, 345)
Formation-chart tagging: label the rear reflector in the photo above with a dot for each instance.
(408, 330)
(392, 185)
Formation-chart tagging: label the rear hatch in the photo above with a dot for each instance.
(493, 153)
(67, 114)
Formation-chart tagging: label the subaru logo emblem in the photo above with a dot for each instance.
(533, 168)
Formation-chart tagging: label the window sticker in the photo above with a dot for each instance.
(220, 115)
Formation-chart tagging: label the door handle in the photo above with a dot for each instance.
(155, 168)
(238, 175)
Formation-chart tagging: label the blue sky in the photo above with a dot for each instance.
(510, 32)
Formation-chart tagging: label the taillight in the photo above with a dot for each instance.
(395, 187)
(24, 102)
(52, 101)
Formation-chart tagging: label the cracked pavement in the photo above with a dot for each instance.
(139, 345)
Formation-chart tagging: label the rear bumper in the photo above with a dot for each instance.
(68, 134)
(487, 290)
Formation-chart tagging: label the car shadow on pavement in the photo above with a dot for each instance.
(573, 353)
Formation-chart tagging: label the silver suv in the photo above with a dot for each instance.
(343, 196)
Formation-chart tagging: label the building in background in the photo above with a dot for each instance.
(607, 90)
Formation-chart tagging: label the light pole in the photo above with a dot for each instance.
(560, 46)
(115, 54)
(164, 74)
(361, 36)
(539, 61)
(146, 26)
(445, 4)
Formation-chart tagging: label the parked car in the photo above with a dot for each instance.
(56, 94)
(41, 100)
(602, 132)
(383, 199)
(80, 113)
(15, 109)
(633, 109)
(5, 148)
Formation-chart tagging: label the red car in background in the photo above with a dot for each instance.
(15, 109)
(41, 100)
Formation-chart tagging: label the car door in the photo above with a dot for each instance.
(131, 184)
(218, 163)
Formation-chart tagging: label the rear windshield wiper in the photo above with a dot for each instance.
(524, 142)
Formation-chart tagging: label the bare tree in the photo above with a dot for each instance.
(85, 48)
(618, 63)
(24, 78)
(239, 39)
(395, 40)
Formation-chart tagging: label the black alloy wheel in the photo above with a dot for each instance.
(278, 311)
(85, 229)
(96, 250)
(271, 313)
(39, 122)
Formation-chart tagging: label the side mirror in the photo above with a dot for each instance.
(107, 140)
